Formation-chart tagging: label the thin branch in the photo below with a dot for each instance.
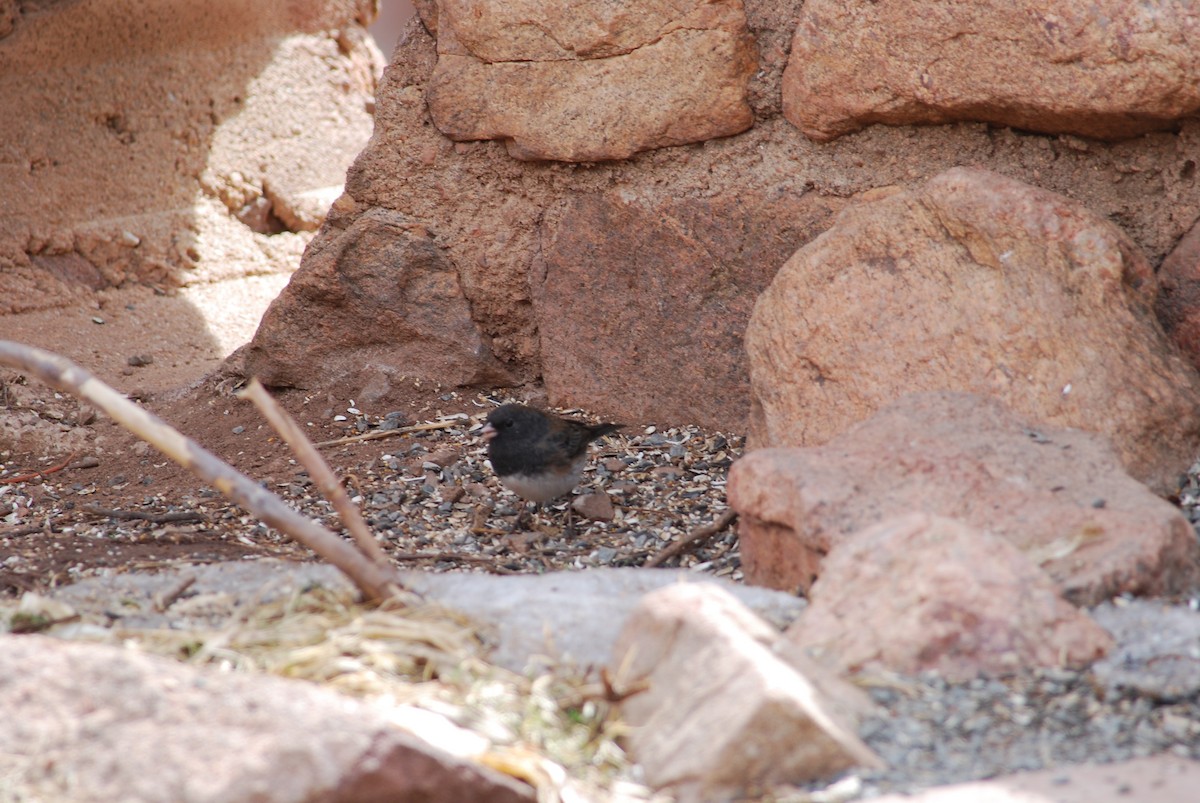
(318, 470)
(153, 518)
(374, 581)
(33, 475)
(387, 433)
(698, 534)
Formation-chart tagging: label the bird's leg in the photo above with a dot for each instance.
(569, 523)
(525, 517)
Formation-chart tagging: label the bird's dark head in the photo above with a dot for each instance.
(512, 420)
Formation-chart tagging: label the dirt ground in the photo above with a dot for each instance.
(80, 496)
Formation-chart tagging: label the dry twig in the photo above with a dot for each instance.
(376, 582)
(153, 518)
(387, 433)
(698, 534)
(318, 470)
(33, 475)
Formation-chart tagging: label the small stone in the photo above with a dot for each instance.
(594, 506)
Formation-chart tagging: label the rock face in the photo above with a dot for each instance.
(1106, 69)
(747, 721)
(1058, 495)
(980, 283)
(923, 593)
(207, 141)
(667, 289)
(594, 80)
(93, 723)
(379, 305)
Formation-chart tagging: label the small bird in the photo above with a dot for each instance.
(537, 455)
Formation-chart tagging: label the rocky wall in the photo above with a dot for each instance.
(617, 264)
(172, 143)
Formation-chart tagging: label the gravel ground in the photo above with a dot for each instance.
(427, 490)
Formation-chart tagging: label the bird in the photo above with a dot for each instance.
(537, 455)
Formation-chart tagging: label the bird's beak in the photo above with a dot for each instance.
(488, 432)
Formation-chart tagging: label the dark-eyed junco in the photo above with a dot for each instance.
(537, 455)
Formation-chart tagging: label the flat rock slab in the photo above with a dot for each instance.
(592, 80)
(568, 616)
(1162, 779)
(574, 617)
(1106, 70)
(623, 358)
(88, 722)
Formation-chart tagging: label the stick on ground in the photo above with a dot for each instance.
(698, 534)
(374, 581)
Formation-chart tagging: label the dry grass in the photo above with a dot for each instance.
(546, 730)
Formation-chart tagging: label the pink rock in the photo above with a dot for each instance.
(922, 593)
(591, 81)
(722, 712)
(1107, 69)
(373, 305)
(1059, 495)
(973, 282)
(626, 261)
(1178, 304)
(90, 722)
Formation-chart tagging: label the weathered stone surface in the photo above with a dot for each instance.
(1178, 303)
(593, 81)
(1059, 495)
(747, 720)
(973, 282)
(374, 304)
(492, 214)
(1162, 778)
(197, 132)
(1108, 69)
(668, 287)
(922, 593)
(95, 723)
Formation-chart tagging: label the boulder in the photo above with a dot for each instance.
(919, 593)
(975, 282)
(98, 723)
(720, 713)
(1106, 70)
(1059, 495)
(376, 305)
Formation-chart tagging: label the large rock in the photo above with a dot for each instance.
(721, 713)
(1059, 495)
(377, 304)
(206, 140)
(96, 723)
(1178, 304)
(974, 282)
(923, 593)
(668, 286)
(594, 80)
(1107, 69)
